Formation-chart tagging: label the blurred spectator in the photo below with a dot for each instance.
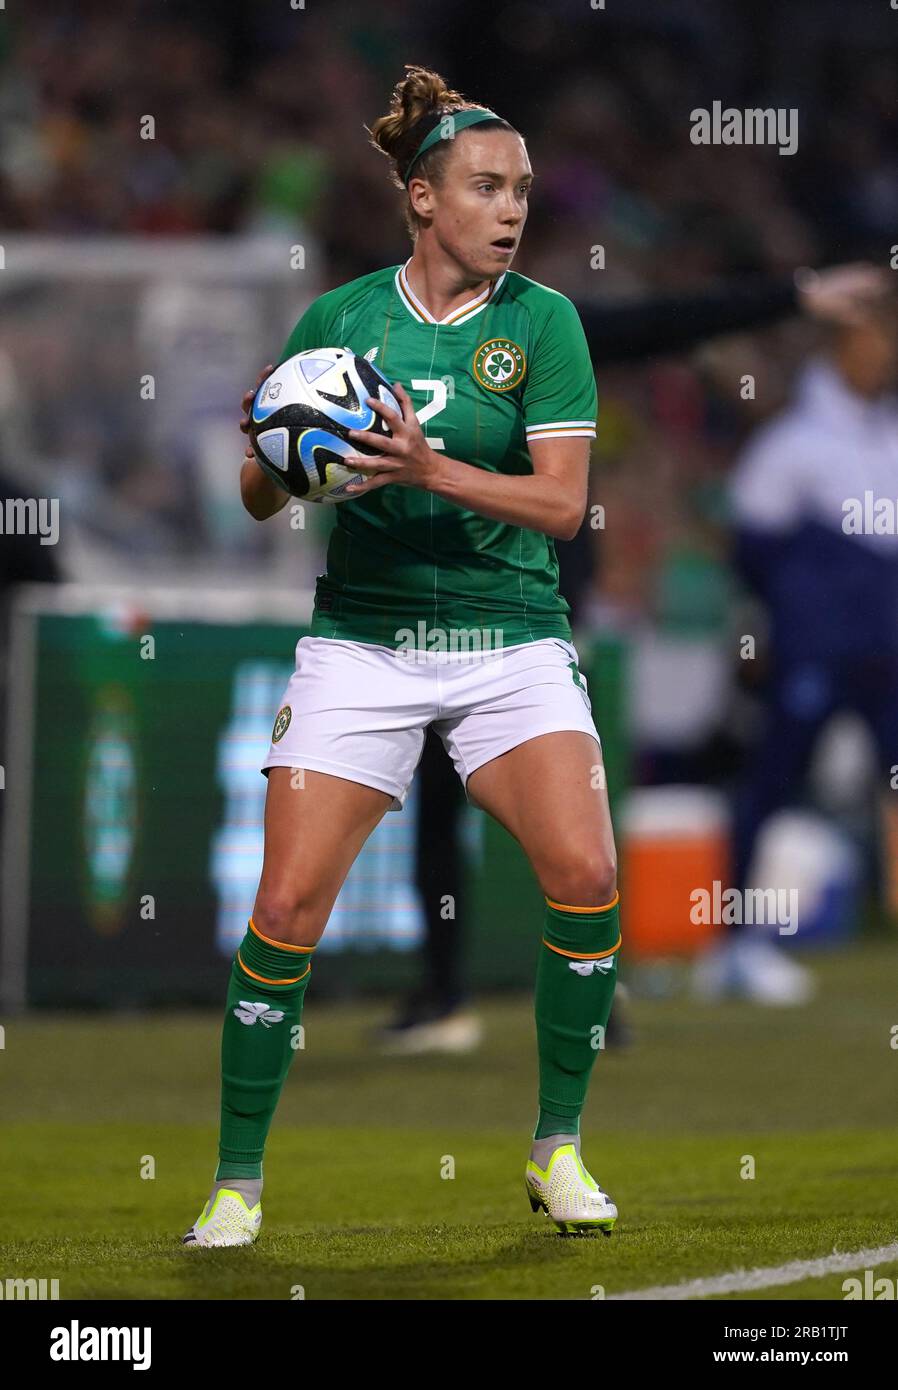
(815, 500)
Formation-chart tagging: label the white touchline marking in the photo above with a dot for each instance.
(743, 1279)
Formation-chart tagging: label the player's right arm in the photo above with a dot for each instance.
(261, 497)
(260, 494)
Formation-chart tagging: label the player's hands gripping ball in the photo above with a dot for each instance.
(405, 456)
(317, 418)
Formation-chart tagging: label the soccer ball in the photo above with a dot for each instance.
(301, 416)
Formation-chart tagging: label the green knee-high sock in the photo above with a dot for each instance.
(575, 980)
(258, 1040)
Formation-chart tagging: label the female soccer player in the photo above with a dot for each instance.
(440, 606)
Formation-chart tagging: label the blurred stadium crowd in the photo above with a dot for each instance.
(260, 110)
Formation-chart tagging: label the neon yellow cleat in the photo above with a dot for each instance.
(230, 1222)
(569, 1195)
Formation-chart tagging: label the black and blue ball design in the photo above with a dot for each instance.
(301, 416)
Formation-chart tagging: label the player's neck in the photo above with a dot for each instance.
(440, 285)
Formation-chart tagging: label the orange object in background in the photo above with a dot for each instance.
(674, 840)
(888, 838)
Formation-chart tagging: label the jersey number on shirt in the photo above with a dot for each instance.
(433, 407)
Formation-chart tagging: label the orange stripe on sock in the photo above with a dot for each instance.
(262, 980)
(582, 955)
(282, 945)
(563, 907)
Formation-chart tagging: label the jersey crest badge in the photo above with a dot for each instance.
(499, 364)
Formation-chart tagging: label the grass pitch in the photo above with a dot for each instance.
(358, 1202)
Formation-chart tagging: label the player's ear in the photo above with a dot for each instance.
(420, 194)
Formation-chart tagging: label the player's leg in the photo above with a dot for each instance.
(549, 792)
(315, 825)
(874, 694)
(805, 691)
(519, 726)
(347, 756)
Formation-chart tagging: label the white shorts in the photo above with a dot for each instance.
(359, 711)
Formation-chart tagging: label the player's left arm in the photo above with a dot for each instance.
(552, 499)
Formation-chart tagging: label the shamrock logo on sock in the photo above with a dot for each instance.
(586, 967)
(251, 1013)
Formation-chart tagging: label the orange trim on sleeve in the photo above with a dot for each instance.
(581, 955)
(563, 907)
(282, 945)
(262, 980)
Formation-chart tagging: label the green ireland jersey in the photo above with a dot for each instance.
(509, 366)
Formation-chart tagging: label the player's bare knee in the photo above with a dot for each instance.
(583, 881)
(284, 916)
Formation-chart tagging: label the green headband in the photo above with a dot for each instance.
(460, 121)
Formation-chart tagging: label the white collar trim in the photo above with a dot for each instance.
(461, 314)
